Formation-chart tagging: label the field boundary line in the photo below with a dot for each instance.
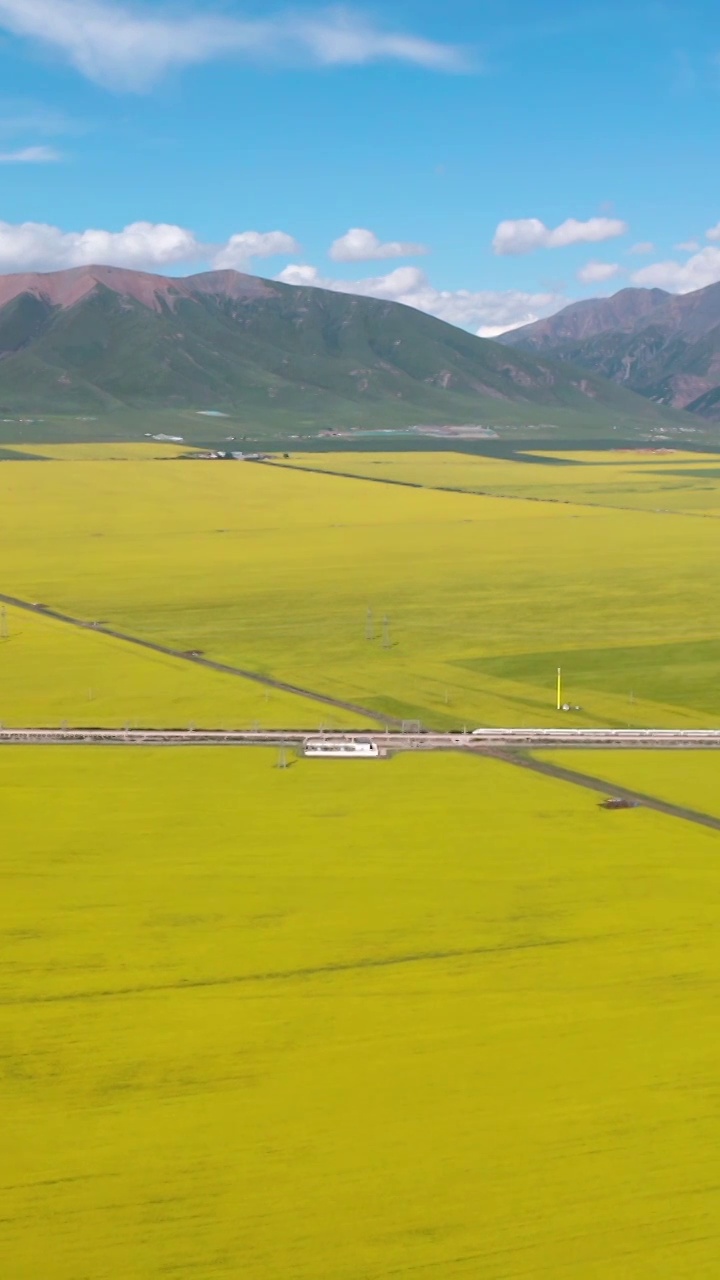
(562, 774)
(98, 628)
(481, 493)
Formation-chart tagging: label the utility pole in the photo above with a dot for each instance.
(282, 760)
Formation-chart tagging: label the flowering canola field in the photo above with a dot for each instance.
(52, 674)
(664, 481)
(433, 1016)
(690, 778)
(450, 608)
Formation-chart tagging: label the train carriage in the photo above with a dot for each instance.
(341, 748)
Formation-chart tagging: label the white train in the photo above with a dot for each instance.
(604, 735)
(341, 748)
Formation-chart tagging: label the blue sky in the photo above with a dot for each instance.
(490, 168)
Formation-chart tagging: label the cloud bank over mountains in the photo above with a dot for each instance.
(131, 48)
(597, 272)
(147, 246)
(360, 245)
(527, 235)
(243, 247)
(163, 247)
(682, 277)
(37, 246)
(486, 312)
(697, 271)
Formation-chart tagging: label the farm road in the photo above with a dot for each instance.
(597, 784)
(522, 761)
(44, 611)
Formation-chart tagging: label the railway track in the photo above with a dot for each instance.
(509, 745)
(197, 658)
(481, 741)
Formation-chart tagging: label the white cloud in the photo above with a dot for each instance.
(688, 246)
(486, 312)
(643, 246)
(340, 37)
(595, 272)
(701, 269)
(360, 245)
(494, 330)
(525, 235)
(37, 246)
(30, 155)
(131, 48)
(713, 233)
(240, 249)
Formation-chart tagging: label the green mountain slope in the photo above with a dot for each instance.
(277, 356)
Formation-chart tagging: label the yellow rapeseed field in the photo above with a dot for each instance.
(428, 1017)
(450, 608)
(51, 674)
(690, 778)
(641, 481)
(101, 451)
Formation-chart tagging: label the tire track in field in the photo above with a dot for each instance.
(550, 770)
(297, 975)
(284, 686)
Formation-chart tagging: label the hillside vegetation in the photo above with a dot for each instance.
(279, 357)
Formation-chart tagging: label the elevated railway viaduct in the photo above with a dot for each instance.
(481, 740)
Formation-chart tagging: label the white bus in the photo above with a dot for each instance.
(341, 748)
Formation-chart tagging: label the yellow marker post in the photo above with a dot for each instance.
(559, 688)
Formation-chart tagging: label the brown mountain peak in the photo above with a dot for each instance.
(66, 288)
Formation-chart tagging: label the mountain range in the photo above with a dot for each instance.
(103, 340)
(663, 346)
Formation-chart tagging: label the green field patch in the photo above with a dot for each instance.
(704, 473)
(18, 455)
(684, 673)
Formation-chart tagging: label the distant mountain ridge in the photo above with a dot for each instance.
(66, 289)
(101, 338)
(663, 346)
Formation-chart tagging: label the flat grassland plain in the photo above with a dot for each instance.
(427, 1016)
(435, 1016)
